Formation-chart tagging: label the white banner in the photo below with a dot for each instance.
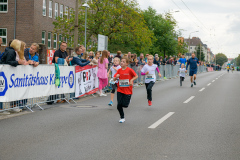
(86, 80)
(102, 42)
(23, 82)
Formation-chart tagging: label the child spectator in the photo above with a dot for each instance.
(102, 72)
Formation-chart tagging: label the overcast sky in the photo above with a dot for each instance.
(218, 21)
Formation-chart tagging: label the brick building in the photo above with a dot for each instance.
(34, 20)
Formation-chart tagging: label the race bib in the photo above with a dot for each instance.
(149, 76)
(124, 82)
(182, 71)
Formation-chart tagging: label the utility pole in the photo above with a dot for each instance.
(76, 26)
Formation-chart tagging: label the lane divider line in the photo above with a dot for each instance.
(216, 78)
(209, 84)
(189, 99)
(201, 89)
(160, 121)
(213, 81)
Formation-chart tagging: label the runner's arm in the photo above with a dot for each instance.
(187, 65)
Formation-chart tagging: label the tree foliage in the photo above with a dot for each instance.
(121, 21)
(165, 37)
(221, 59)
(198, 53)
(238, 60)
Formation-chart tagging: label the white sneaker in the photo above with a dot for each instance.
(122, 120)
(103, 95)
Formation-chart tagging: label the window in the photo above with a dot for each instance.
(55, 41)
(60, 38)
(56, 10)
(3, 35)
(3, 5)
(50, 9)
(43, 37)
(71, 10)
(66, 11)
(61, 11)
(49, 39)
(44, 8)
(65, 39)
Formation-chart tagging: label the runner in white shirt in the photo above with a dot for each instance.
(182, 73)
(150, 78)
(113, 69)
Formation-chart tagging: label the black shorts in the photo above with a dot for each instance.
(114, 87)
(123, 99)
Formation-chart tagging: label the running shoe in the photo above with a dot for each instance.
(103, 95)
(122, 120)
(194, 83)
(149, 102)
(110, 103)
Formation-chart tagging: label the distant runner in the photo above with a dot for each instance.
(193, 62)
(182, 60)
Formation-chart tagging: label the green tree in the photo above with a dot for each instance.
(238, 60)
(221, 59)
(182, 47)
(198, 53)
(165, 37)
(121, 21)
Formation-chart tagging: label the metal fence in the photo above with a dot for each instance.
(167, 72)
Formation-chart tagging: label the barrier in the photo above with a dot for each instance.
(210, 69)
(17, 91)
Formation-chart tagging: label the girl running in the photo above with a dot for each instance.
(150, 78)
(182, 74)
(102, 72)
(126, 77)
(113, 69)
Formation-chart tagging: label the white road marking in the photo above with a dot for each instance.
(201, 89)
(209, 84)
(160, 121)
(189, 99)
(213, 81)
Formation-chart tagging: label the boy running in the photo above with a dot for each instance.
(113, 69)
(182, 73)
(126, 77)
(150, 78)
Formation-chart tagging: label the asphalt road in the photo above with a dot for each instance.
(184, 123)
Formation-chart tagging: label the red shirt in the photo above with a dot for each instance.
(125, 76)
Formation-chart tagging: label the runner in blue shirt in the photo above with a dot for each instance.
(182, 60)
(193, 62)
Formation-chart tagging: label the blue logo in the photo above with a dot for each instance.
(71, 79)
(3, 84)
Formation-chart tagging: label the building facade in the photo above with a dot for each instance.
(32, 20)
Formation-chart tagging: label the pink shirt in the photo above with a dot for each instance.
(102, 71)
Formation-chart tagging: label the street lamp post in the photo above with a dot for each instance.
(86, 6)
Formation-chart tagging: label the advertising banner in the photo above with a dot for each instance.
(23, 82)
(86, 80)
(50, 54)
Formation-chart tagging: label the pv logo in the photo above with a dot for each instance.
(3, 84)
(71, 79)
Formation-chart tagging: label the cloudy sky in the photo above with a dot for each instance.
(218, 21)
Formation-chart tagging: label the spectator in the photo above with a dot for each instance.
(133, 60)
(170, 61)
(95, 59)
(161, 61)
(110, 60)
(156, 60)
(141, 60)
(146, 58)
(90, 55)
(102, 72)
(61, 53)
(165, 60)
(31, 55)
(126, 56)
(129, 55)
(77, 61)
(119, 55)
(11, 55)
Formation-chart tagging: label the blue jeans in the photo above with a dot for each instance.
(80, 62)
